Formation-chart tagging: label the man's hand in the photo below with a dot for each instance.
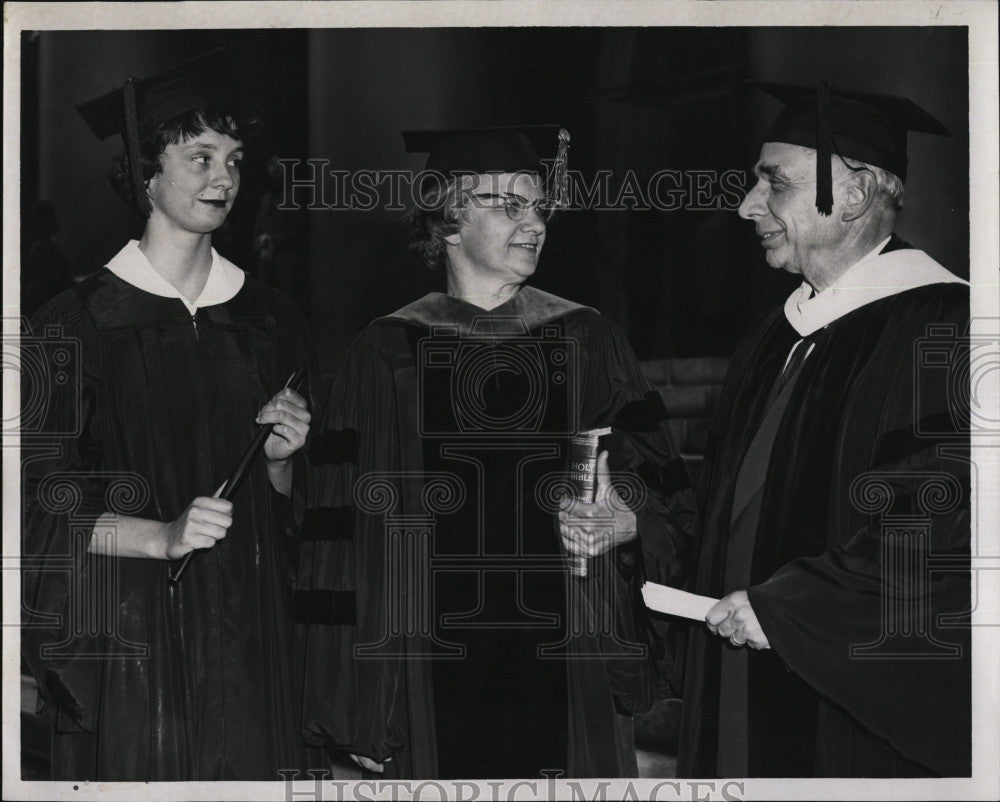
(732, 617)
(592, 529)
(290, 416)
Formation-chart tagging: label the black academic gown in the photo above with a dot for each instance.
(867, 468)
(137, 408)
(444, 444)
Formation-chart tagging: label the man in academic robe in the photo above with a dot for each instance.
(441, 632)
(837, 517)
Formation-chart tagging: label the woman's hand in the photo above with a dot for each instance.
(203, 524)
(368, 764)
(592, 529)
(290, 416)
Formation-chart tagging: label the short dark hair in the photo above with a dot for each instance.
(153, 142)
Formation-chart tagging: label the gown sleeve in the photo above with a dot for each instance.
(340, 596)
(865, 623)
(654, 482)
(63, 494)
(294, 351)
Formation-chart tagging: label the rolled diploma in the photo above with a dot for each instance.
(668, 600)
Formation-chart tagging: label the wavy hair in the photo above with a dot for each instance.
(154, 140)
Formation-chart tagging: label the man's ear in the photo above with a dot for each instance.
(859, 195)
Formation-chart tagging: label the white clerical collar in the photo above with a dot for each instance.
(224, 278)
(877, 275)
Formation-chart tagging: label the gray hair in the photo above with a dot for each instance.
(439, 214)
(888, 186)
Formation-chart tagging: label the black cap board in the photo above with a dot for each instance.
(204, 82)
(483, 150)
(508, 149)
(860, 126)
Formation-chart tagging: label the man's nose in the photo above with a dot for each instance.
(753, 204)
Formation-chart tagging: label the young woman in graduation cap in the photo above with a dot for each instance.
(182, 358)
(444, 635)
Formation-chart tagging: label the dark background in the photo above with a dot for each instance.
(682, 283)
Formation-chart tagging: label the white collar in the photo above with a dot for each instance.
(877, 275)
(224, 278)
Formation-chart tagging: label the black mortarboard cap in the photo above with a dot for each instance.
(509, 149)
(860, 126)
(206, 81)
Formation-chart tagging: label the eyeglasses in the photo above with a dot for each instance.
(517, 207)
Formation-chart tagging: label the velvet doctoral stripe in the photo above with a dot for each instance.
(375, 688)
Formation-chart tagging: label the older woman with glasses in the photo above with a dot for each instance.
(444, 632)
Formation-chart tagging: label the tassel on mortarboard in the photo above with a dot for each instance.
(561, 180)
(824, 150)
(869, 128)
(506, 149)
(134, 152)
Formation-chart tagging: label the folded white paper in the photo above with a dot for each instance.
(676, 602)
